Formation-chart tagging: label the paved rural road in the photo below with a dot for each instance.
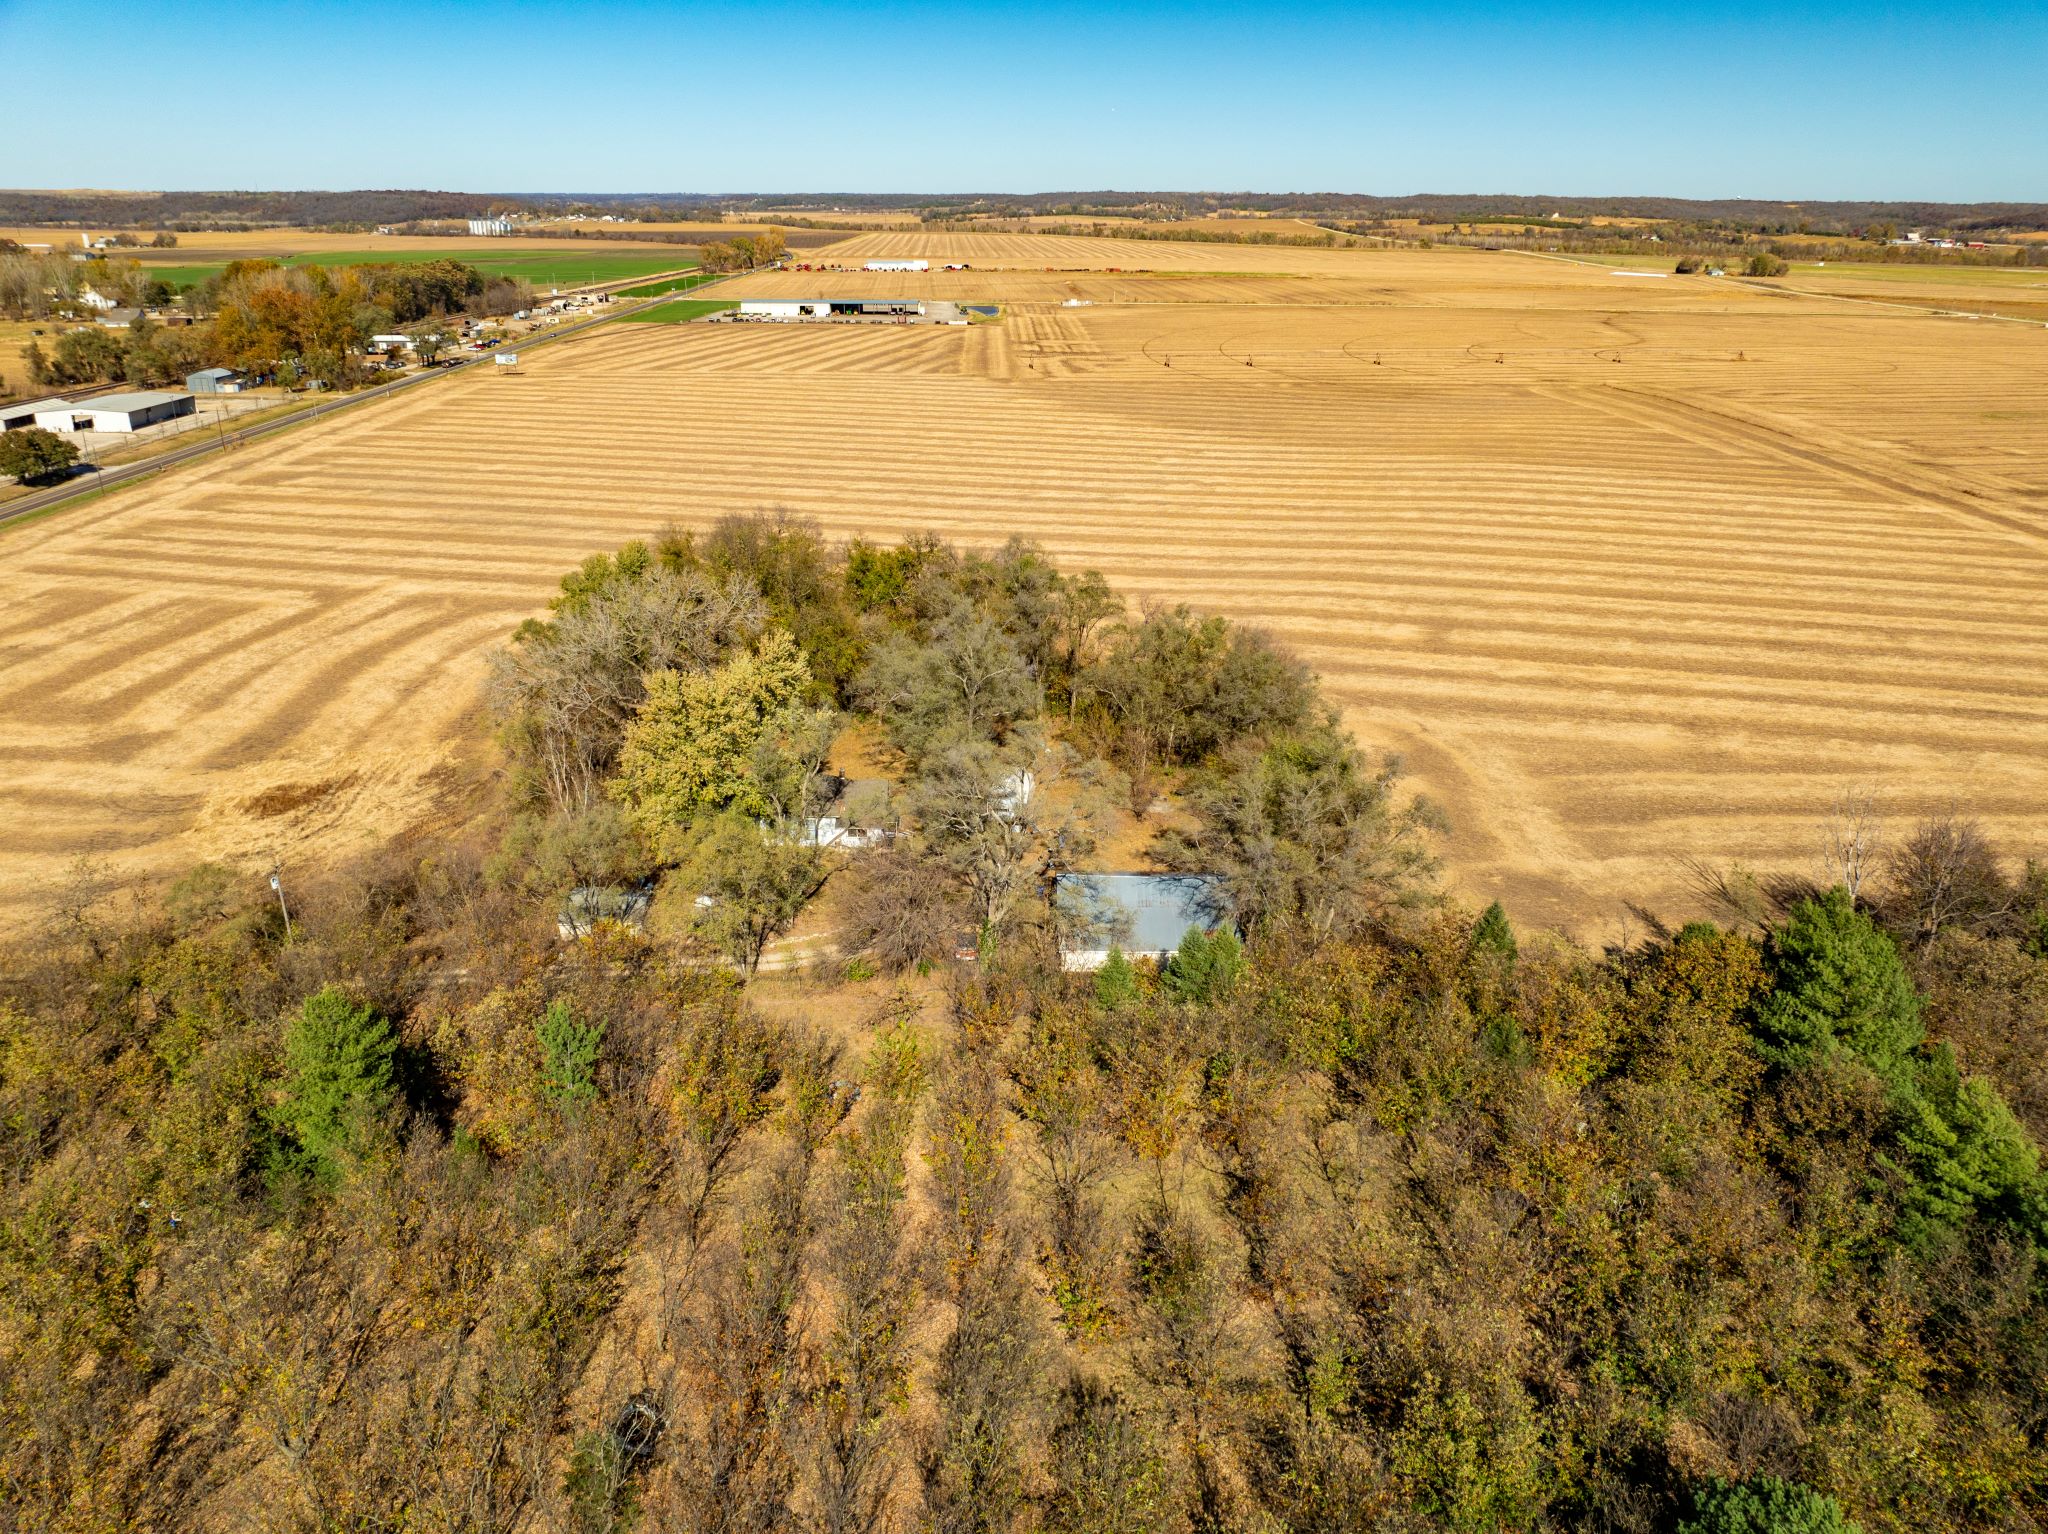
(95, 480)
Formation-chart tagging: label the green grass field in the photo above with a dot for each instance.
(539, 267)
(1888, 271)
(680, 310)
(681, 284)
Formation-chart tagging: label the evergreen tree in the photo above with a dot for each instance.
(1116, 983)
(1492, 934)
(1206, 967)
(1838, 983)
(568, 1052)
(338, 1064)
(1764, 1505)
(1964, 1153)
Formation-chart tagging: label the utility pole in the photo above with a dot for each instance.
(277, 883)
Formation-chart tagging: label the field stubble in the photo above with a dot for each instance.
(1627, 571)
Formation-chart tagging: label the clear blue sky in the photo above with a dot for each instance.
(1912, 100)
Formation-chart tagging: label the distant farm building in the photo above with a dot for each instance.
(117, 412)
(828, 308)
(15, 417)
(1144, 915)
(386, 344)
(216, 381)
(898, 266)
(117, 319)
(490, 226)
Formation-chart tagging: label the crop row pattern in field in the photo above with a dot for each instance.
(1626, 572)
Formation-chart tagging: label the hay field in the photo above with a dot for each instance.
(1628, 569)
(2019, 293)
(1061, 252)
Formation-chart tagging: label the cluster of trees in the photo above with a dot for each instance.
(314, 322)
(686, 693)
(145, 352)
(293, 323)
(743, 252)
(1383, 1217)
(36, 284)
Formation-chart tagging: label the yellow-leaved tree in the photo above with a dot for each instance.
(735, 738)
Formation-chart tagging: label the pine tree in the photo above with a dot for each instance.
(1116, 983)
(568, 1053)
(1492, 934)
(1206, 967)
(1838, 983)
(338, 1064)
(1764, 1505)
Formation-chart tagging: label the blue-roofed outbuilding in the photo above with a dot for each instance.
(1146, 915)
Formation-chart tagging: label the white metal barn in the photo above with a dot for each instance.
(117, 412)
(828, 308)
(14, 417)
(898, 266)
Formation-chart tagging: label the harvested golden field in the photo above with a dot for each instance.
(1061, 252)
(1629, 568)
(14, 338)
(2014, 292)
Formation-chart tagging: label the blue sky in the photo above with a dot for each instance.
(1913, 100)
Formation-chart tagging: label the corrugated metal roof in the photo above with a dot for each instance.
(1139, 913)
(9, 412)
(141, 399)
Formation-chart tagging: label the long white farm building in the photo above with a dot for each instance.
(115, 412)
(898, 266)
(827, 308)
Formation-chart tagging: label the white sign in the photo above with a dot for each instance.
(508, 359)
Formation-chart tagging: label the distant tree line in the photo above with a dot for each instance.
(365, 209)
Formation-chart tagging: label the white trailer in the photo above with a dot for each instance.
(786, 308)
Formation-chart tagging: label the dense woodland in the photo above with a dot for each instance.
(1385, 1215)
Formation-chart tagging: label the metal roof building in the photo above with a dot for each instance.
(1145, 915)
(828, 308)
(117, 412)
(14, 417)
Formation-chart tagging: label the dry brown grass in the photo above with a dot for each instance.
(1059, 252)
(1629, 568)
